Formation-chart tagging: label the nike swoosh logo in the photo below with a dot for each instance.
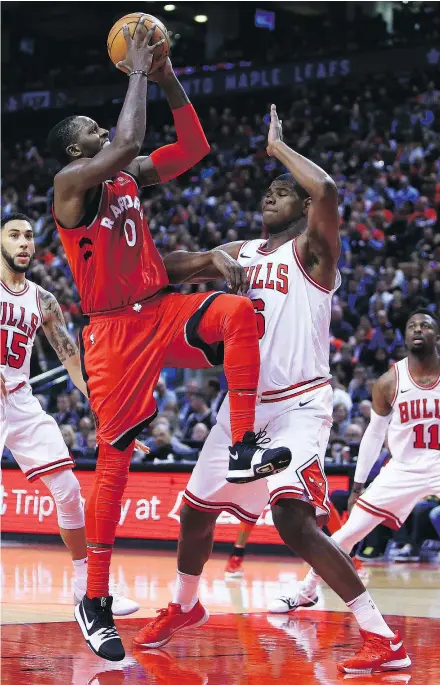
(233, 455)
(407, 390)
(99, 551)
(245, 256)
(89, 626)
(394, 648)
(303, 404)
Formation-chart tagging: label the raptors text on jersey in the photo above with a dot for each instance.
(21, 316)
(293, 318)
(414, 430)
(114, 260)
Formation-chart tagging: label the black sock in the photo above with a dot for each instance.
(237, 552)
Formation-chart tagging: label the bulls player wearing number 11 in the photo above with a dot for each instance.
(406, 406)
(292, 278)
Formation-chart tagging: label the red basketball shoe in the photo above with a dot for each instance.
(234, 568)
(377, 654)
(160, 630)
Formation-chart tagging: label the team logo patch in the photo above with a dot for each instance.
(314, 481)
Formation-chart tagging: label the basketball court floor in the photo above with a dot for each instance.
(240, 645)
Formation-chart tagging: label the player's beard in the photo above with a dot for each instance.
(421, 352)
(10, 262)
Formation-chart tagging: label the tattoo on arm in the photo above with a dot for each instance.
(55, 327)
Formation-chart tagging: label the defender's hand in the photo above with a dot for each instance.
(275, 129)
(354, 496)
(233, 273)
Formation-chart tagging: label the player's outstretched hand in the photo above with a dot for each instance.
(143, 448)
(140, 49)
(163, 73)
(354, 496)
(3, 392)
(275, 129)
(233, 273)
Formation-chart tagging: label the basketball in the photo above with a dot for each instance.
(116, 45)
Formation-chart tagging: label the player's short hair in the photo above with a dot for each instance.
(61, 136)
(426, 312)
(288, 180)
(15, 216)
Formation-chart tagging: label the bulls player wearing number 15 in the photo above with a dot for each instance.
(135, 324)
(292, 276)
(32, 435)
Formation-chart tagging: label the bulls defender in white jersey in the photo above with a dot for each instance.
(406, 407)
(292, 277)
(32, 435)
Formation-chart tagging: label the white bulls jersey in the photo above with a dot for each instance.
(293, 316)
(414, 430)
(21, 316)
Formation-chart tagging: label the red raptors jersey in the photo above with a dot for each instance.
(114, 260)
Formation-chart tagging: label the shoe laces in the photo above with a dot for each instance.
(374, 645)
(259, 439)
(161, 615)
(109, 631)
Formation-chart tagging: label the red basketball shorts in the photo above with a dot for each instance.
(123, 353)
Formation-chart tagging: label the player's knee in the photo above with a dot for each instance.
(66, 492)
(295, 520)
(196, 523)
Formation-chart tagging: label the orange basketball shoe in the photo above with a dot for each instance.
(234, 568)
(160, 630)
(377, 654)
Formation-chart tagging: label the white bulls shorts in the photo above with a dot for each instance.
(32, 436)
(305, 430)
(394, 493)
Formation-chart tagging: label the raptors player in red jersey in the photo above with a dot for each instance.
(135, 327)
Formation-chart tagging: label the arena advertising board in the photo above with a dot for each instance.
(150, 507)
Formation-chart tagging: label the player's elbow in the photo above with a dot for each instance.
(327, 189)
(128, 149)
(200, 150)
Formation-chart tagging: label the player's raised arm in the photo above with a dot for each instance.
(201, 267)
(322, 235)
(57, 334)
(89, 170)
(374, 436)
(191, 146)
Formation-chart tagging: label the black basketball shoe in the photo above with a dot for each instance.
(95, 619)
(249, 461)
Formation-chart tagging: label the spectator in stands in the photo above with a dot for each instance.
(200, 413)
(199, 433)
(65, 415)
(78, 404)
(340, 420)
(364, 409)
(340, 395)
(358, 385)
(215, 395)
(191, 387)
(85, 426)
(163, 396)
(339, 328)
(43, 400)
(165, 445)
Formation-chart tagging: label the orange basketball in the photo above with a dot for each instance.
(117, 48)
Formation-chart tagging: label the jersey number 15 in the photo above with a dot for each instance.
(14, 354)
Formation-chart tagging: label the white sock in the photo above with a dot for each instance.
(186, 591)
(310, 583)
(80, 572)
(368, 615)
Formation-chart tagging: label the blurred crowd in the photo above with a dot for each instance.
(379, 140)
(300, 35)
